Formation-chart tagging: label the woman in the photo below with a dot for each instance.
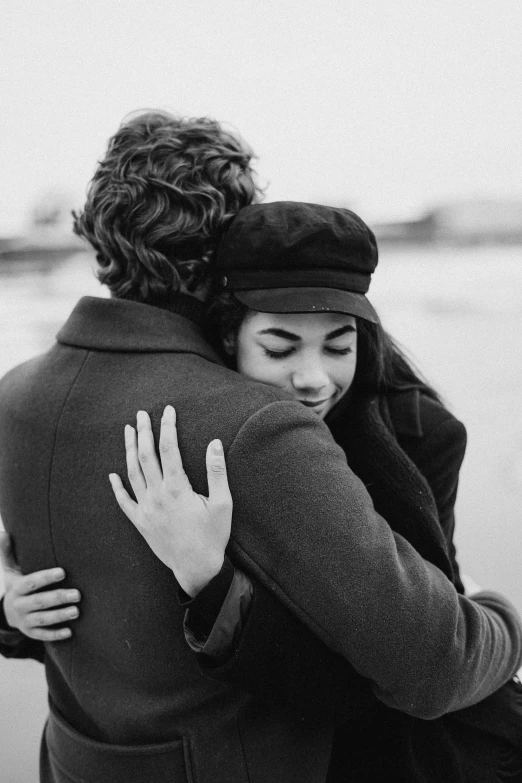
(396, 436)
(402, 442)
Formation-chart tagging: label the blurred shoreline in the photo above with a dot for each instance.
(460, 223)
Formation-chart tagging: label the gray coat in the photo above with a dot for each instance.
(127, 699)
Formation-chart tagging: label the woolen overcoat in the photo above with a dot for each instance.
(127, 700)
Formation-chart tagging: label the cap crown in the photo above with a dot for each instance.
(286, 243)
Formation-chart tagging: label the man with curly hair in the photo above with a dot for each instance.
(156, 207)
(127, 699)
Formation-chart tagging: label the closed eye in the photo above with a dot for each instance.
(288, 351)
(278, 354)
(339, 351)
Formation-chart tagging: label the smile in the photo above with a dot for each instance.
(310, 404)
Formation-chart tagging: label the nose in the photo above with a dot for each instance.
(310, 376)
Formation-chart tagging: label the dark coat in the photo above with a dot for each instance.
(293, 670)
(126, 695)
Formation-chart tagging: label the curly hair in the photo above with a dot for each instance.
(160, 199)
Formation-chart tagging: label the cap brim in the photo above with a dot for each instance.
(308, 300)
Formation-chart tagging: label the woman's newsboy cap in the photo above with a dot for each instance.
(292, 257)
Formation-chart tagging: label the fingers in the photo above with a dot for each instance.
(136, 478)
(146, 450)
(48, 636)
(125, 502)
(64, 615)
(6, 553)
(40, 602)
(38, 580)
(34, 611)
(171, 461)
(218, 489)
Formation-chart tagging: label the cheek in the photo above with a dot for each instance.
(343, 375)
(253, 363)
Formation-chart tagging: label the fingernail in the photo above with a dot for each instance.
(73, 612)
(169, 411)
(58, 573)
(65, 633)
(217, 448)
(72, 595)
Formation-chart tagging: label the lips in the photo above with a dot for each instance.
(313, 404)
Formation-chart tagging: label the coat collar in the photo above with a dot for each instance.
(400, 410)
(126, 326)
(404, 409)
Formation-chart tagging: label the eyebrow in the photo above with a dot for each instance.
(295, 338)
(281, 333)
(340, 332)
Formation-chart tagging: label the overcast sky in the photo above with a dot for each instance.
(387, 105)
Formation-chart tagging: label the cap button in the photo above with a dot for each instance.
(224, 281)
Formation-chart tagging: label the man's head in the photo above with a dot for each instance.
(159, 201)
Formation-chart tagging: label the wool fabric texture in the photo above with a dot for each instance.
(126, 683)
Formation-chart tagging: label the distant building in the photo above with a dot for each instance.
(470, 221)
(49, 236)
(406, 231)
(484, 220)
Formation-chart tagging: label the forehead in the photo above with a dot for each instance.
(302, 324)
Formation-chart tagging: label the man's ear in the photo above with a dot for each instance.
(229, 344)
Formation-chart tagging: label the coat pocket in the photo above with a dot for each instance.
(69, 757)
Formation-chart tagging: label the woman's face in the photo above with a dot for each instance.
(310, 355)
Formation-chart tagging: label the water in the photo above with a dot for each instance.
(458, 312)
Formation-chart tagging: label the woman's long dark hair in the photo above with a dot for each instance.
(381, 367)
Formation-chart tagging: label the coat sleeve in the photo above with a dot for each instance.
(278, 658)
(244, 635)
(364, 592)
(13, 643)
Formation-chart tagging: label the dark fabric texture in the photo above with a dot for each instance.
(397, 488)
(127, 677)
(435, 442)
(374, 742)
(279, 245)
(67, 756)
(206, 605)
(226, 630)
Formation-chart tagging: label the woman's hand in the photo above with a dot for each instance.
(186, 531)
(29, 610)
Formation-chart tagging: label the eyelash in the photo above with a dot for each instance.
(285, 354)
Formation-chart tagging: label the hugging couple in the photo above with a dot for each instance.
(333, 640)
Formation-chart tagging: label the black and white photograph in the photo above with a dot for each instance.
(260, 391)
